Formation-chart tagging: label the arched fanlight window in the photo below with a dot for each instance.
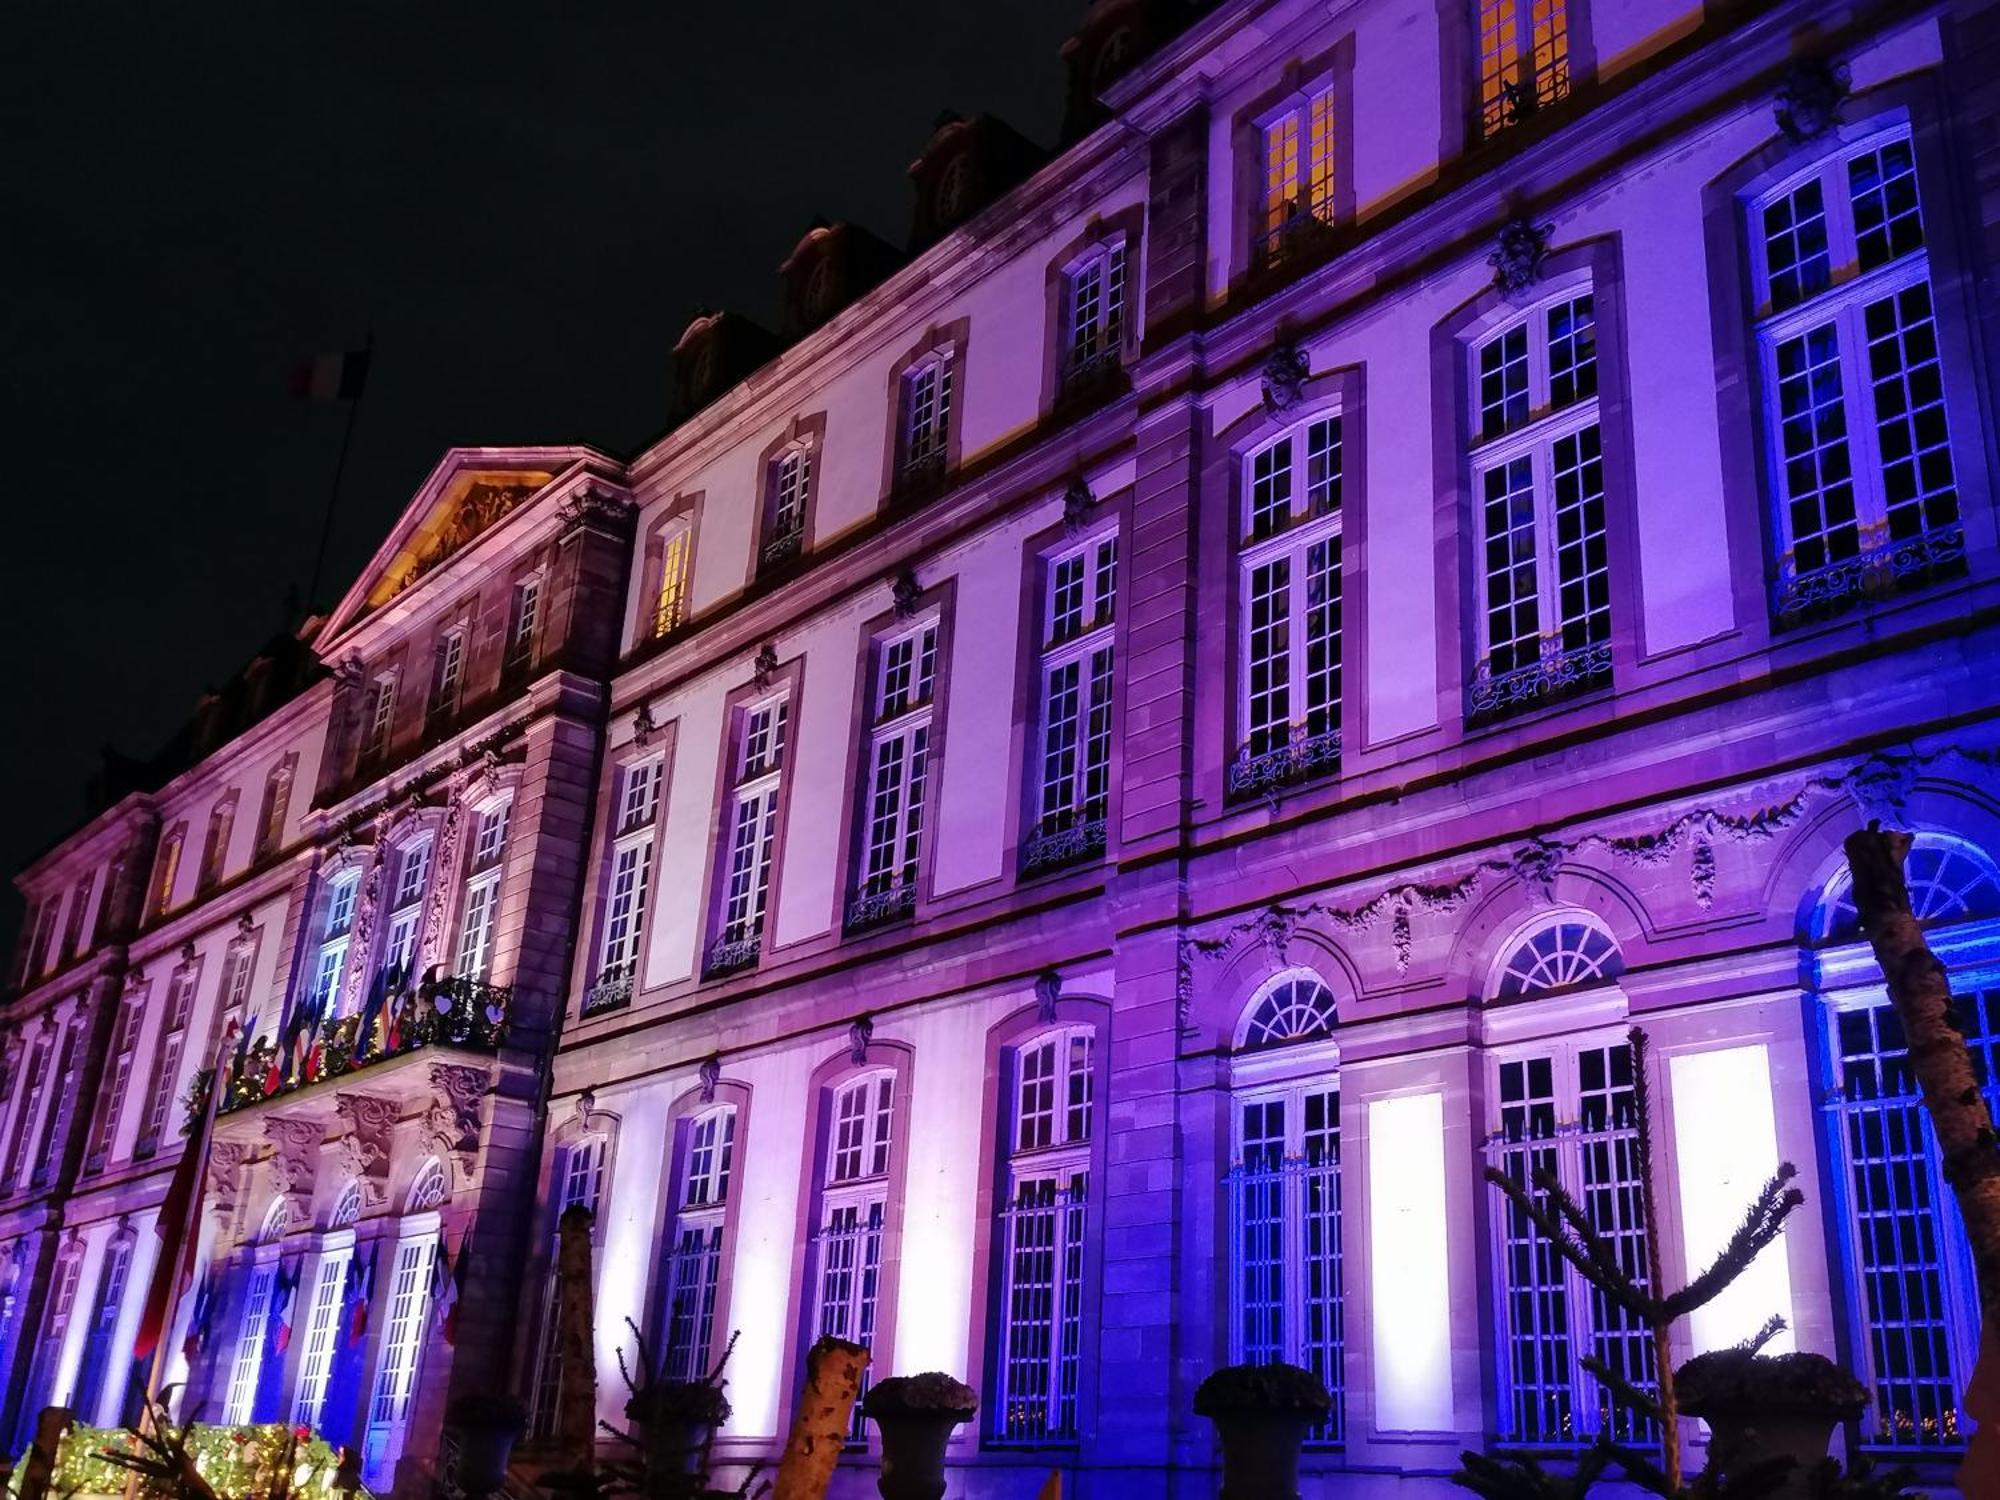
(430, 1188)
(277, 1219)
(1950, 881)
(1294, 1009)
(347, 1208)
(1559, 956)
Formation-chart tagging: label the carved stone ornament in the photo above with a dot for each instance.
(1048, 990)
(245, 928)
(1518, 252)
(1077, 505)
(189, 953)
(859, 1035)
(711, 1075)
(135, 981)
(366, 1148)
(765, 667)
(437, 904)
(644, 726)
(225, 1179)
(295, 1163)
(349, 671)
(1286, 371)
(452, 1121)
(1808, 102)
(594, 503)
(904, 591)
(1277, 925)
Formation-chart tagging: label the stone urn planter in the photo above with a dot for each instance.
(915, 1415)
(1262, 1414)
(1762, 1408)
(487, 1427)
(676, 1419)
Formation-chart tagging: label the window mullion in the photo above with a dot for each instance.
(1548, 587)
(1864, 451)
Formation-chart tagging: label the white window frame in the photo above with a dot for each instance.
(693, 1269)
(406, 905)
(1097, 297)
(1297, 152)
(405, 1323)
(897, 769)
(524, 618)
(381, 716)
(448, 680)
(849, 1283)
(576, 1177)
(323, 1326)
(480, 906)
(252, 1334)
(762, 746)
(1076, 699)
(928, 411)
(791, 478)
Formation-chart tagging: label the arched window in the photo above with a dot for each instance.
(1950, 881)
(1042, 1236)
(693, 1270)
(1294, 1009)
(55, 1327)
(347, 1208)
(577, 1180)
(1559, 956)
(323, 1321)
(430, 1188)
(1286, 1293)
(853, 1210)
(277, 1219)
(99, 1343)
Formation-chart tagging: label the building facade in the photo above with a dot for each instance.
(1090, 784)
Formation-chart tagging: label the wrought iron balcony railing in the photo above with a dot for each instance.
(731, 955)
(781, 549)
(877, 908)
(1886, 567)
(1301, 758)
(453, 1012)
(1557, 675)
(1055, 848)
(613, 991)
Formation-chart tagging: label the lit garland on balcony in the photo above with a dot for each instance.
(237, 1462)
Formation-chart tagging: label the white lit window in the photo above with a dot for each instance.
(670, 596)
(1523, 58)
(1043, 1235)
(322, 1328)
(34, 1085)
(1290, 693)
(118, 1078)
(847, 1246)
(251, 1337)
(694, 1258)
(334, 939)
(406, 909)
(1298, 146)
(1094, 298)
(1567, 1108)
(522, 620)
(101, 1339)
(752, 830)
(402, 1341)
(482, 892)
(1078, 684)
(1858, 445)
(639, 794)
(1544, 606)
(448, 673)
(927, 415)
(898, 751)
(381, 716)
(790, 482)
(55, 1328)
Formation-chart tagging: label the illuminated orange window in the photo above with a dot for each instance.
(670, 604)
(1298, 170)
(1523, 59)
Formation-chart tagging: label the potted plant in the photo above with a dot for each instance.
(1768, 1410)
(677, 1418)
(915, 1415)
(488, 1426)
(1262, 1414)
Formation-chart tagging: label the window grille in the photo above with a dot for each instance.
(693, 1269)
(898, 767)
(1523, 59)
(1559, 956)
(1078, 694)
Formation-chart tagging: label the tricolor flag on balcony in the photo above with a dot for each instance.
(356, 1295)
(447, 1282)
(331, 377)
(285, 1295)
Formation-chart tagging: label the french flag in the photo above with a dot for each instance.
(286, 1296)
(331, 377)
(357, 1294)
(447, 1283)
(198, 1325)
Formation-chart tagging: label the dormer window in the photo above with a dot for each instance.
(1094, 304)
(927, 414)
(955, 189)
(822, 288)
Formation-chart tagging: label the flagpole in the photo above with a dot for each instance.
(339, 469)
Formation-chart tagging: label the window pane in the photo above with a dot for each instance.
(1917, 483)
(1887, 222)
(1818, 479)
(1513, 612)
(1797, 263)
(1582, 573)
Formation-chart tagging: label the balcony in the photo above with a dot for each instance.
(1057, 848)
(1092, 375)
(781, 550)
(613, 991)
(1886, 566)
(1559, 674)
(455, 1012)
(732, 955)
(1302, 757)
(877, 908)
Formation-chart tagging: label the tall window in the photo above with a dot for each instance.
(74, 943)
(322, 1333)
(897, 768)
(335, 933)
(101, 1339)
(402, 1341)
(578, 1182)
(927, 417)
(276, 807)
(670, 597)
(751, 834)
(62, 1102)
(1290, 589)
(1567, 1108)
(381, 717)
(1297, 147)
(406, 908)
(694, 1257)
(626, 883)
(1912, 1296)
(790, 489)
(55, 1328)
(25, 961)
(854, 1207)
(1042, 1238)
(1094, 310)
(1523, 59)
(522, 620)
(215, 844)
(165, 1081)
(1078, 687)
(1284, 1197)
(166, 865)
(482, 891)
(1544, 612)
(252, 1335)
(34, 1085)
(1858, 445)
(117, 1078)
(447, 674)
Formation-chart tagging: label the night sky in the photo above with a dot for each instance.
(525, 203)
